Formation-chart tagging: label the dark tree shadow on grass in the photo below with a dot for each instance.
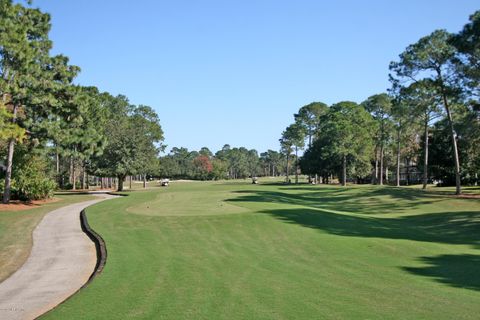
(324, 209)
(450, 228)
(455, 270)
(371, 201)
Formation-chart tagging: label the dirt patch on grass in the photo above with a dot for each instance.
(16, 205)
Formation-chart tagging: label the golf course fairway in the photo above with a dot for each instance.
(232, 250)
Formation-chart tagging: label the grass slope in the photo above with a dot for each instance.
(16, 229)
(284, 252)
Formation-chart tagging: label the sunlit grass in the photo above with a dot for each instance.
(284, 252)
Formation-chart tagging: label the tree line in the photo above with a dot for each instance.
(54, 132)
(428, 119)
(227, 163)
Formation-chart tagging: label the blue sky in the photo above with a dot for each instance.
(234, 72)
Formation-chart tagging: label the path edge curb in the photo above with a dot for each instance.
(101, 251)
(100, 247)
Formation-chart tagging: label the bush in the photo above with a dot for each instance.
(69, 186)
(30, 180)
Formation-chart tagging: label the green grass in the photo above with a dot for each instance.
(284, 252)
(16, 229)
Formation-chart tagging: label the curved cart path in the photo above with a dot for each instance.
(62, 259)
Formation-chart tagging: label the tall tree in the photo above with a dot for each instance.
(286, 147)
(148, 135)
(295, 133)
(380, 106)
(400, 118)
(467, 61)
(28, 75)
(423, 102)
(309, 117)
(253, 163)
(431, 58)
(347, 128)
(134, 134)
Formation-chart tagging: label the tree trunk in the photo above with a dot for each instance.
(144, 181)
(296, 165)
(130, 181)
(375, 177)
(287, 171)
(57, 166)
(11, 150)
(398, 156)
(74, 178)
(458, 189)
(425, 155)
(381, 164)
(120, 183)
(84, 176)
(344, 173)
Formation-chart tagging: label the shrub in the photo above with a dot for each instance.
(30, 180)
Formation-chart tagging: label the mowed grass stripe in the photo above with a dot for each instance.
(293, 252)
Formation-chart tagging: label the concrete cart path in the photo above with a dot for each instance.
(62, 259)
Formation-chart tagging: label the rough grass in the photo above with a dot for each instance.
(16, 229)
(287, 252)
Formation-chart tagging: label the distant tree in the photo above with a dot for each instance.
(347, 131)
(219, 169)
(253, 162)
(203, 166)
(183, 158)
(309, 117)
(286, 147)
(295, 134)
(148, 136)
(168, 167)
(380, 106)
(223, 153)
(205, 152)
(319, 160)
(423, 105)
(132, 146)
(275, 160)
(401, 121)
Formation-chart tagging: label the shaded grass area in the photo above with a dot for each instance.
(289, 252)
(16, 229)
